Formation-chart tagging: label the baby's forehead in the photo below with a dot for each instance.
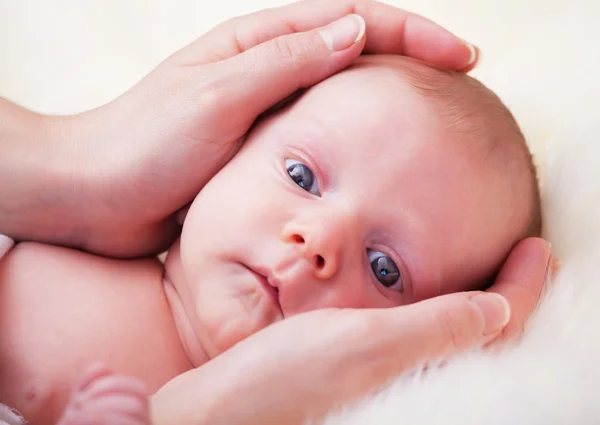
(386, 101)
(376, 84)
(368, 103)
(374, 115)
(368, 123)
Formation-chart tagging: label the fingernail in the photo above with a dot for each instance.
(475, 53)
(495, 310)
(343, 33)
(550, 261)
(554, 267)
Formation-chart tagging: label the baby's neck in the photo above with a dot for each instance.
(189, 339)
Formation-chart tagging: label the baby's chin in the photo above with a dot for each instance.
(223, 322)
(231, 327)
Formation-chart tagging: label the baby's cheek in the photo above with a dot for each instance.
(226, 319)
(204, 224)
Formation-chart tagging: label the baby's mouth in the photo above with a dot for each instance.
(262, 276)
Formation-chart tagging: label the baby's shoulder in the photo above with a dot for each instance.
(64, 309)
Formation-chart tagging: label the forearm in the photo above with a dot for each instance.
(221, 392)
(189, 399)
(247, 386)
(88, 181)
(36, 175)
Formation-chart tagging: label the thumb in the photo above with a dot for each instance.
(266, 74)
(448, 324)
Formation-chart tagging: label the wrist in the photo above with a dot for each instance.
(41, 173)
(193, 398)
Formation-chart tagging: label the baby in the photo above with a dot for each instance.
(386, 184)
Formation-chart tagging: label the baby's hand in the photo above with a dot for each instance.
(104, 397)
(6, 244)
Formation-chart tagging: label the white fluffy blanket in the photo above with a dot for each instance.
(540, 56)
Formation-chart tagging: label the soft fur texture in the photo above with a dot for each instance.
(540, 56)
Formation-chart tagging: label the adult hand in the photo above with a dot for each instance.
(305, 365)
(116, 176)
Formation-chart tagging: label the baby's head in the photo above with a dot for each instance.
(386, 184)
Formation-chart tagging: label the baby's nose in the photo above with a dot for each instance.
(319, 247)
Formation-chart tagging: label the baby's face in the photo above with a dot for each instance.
(355, 196)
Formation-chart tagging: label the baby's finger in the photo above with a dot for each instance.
(95, 372)
(115, 383)
(6, 244)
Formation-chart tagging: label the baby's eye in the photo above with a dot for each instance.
(385, 270)
(302, 176)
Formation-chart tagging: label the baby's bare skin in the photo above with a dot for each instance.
(62, 310)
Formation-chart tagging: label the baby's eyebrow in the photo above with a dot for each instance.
(312, 138)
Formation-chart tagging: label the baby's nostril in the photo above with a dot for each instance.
(297, 238)
(320, 262)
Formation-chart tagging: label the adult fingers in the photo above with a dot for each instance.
(521, 280)
(253, 81)
(346, 352)
(389, 31)
(437, 328)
